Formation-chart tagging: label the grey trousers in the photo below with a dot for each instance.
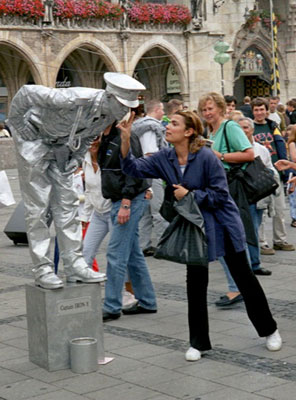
(44, 188)
(152, 218)
(278, 221)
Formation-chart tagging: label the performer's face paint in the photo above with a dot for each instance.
(117, 109)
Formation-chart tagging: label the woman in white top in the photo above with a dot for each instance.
(96, 207)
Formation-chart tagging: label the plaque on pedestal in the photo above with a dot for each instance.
(55, 317)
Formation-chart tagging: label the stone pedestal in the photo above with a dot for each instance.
(55, 317)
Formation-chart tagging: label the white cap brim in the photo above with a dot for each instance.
(128, 103)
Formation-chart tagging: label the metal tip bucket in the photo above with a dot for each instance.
(83, 355)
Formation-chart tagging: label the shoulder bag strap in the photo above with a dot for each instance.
(233, 166)
(225, 136)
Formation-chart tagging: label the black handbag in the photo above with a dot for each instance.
(184, 240)
(257, 180)
(167, 210)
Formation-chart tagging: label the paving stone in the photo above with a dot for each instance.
(226, 341)
(7, 376)
(140, 351)
(282, 392)
(61, 395)
(163, 397)
(261, 351)
(239, 365)
(11, 332)
(26, 389)
(43, 375)
(188, 387)
(112, 343)
(21, 364)
(251, 381)
(86, 383)
(20, 342)
(136, 322)
(20, 324)
(150, 376)
(121, 364)
(125, 391)
(231, 394)
(171, 360)
(166, 328)
(209, 369)
(10, 353)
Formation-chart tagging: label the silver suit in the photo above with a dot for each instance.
(52, 130)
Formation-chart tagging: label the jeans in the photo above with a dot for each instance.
(254, 251)
(256, 304)
(231, 284)
(124, 254)
(99, 226)
(292, 200)
(151, 217)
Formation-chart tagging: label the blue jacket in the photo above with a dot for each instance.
(205, 176)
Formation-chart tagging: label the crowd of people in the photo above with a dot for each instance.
(143, 160)
(138, 158)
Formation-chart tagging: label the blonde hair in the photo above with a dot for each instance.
(191, 120)
(216, 98)
(236, 115)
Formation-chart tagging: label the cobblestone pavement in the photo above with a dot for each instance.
(148, 350)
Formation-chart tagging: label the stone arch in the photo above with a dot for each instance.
(90, 56)
(260, 39)
(17, 64)
(175, 57)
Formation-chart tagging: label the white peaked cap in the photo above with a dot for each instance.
(125, 88)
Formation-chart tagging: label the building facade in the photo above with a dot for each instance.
(171, 60)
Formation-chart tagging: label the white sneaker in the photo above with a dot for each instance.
(192, 354)
(128, 300)
(274, 342)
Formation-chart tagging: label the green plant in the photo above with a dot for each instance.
(266, 20)
(253, 18)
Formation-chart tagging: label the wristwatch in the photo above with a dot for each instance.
(222, 157)
(125, 206)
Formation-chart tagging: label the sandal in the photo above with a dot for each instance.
(293, 223)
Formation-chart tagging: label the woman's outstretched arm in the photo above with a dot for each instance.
(125, 127)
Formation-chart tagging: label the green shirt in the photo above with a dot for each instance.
(237, 140)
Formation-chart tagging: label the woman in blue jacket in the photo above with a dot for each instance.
(191, 166)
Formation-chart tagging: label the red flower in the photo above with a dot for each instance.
(158, 13)
(139, 13)
(27, 8)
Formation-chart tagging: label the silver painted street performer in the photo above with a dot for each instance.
(52, 130)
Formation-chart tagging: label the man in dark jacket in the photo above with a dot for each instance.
(268, 134)
(124, 254)
(246, 108)
(291, 111)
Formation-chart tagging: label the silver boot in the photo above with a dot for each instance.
(85, 275)
(47, 279)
